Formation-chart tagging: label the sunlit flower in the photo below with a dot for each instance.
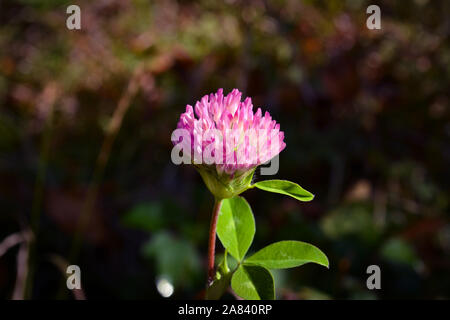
(227, 140)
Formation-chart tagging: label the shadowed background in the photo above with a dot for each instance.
(86, 118)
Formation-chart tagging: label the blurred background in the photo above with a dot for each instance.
(86, 118)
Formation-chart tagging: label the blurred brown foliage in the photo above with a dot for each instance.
(365, 114)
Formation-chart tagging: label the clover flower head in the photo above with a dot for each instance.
(227, 139)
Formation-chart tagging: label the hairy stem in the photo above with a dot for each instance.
(212, 241)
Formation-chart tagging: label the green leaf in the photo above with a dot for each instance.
(399, 251)
(176, 258)
(219, 286)
(285, 187)
(221, 281)
(145, 216)
(287, 254)
(253, 283)
(236, 226)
